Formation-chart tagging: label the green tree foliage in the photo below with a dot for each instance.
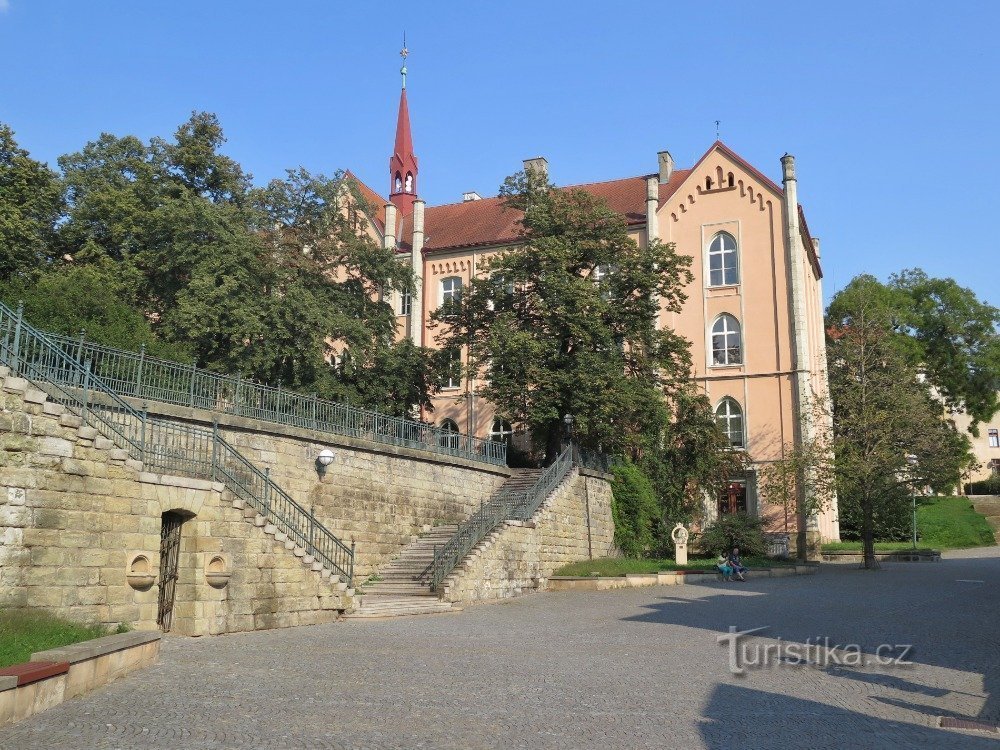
(891, 439)
(30, 205)
(95, 298)
(182, 253)
(565, 322)
(634, 509)
(735, 530)
(689, 458)
(940, 327)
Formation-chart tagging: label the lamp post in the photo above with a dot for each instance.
(568, 427)
(911, 459)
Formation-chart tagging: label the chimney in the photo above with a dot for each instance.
(816, 246)
(539, 165)
(471, 195)
(666, 165)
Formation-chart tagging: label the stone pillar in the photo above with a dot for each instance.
(417, 264)
(389, 239)
(539, 165)
(652, 203)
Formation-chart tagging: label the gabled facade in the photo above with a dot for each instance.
(754, 310)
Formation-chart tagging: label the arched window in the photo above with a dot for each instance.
(397, 183)
(409, 182)
(732, 180)
(727, 341)
(449, 434)
(501, 431)
(723, 263)
(451, 289)
(730, 418)
(708, 183)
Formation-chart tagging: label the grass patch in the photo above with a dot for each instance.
(25, 631)
(942, 523)
(616, 566)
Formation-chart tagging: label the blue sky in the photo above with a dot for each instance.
(889, 107)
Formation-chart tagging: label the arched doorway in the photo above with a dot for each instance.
(170, 552)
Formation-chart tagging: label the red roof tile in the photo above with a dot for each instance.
(376, 201)
(489, 222)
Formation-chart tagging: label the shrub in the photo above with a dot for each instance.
(735, 530)
(633, 508)
(989, 486)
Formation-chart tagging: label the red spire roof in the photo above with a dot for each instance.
(402, 163)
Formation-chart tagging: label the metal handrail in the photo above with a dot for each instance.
(138, 375)
(511, 505)
(159, 444)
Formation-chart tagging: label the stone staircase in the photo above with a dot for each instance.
(403, 587)
(75, 430)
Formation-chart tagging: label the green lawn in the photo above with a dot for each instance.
(23, 632)
(616, 566)
(942, 523)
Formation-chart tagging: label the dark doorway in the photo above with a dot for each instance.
(170, 550)
(733, 498)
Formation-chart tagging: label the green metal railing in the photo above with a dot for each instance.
(137, 375)
(160, 445)
(511, 505)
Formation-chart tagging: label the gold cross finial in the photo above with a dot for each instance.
(403, 53)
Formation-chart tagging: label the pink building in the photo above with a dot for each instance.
(754, 314)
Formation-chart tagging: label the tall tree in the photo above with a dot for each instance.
(566, 321)
(890, 435)
(30, 205)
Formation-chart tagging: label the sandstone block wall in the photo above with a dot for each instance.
(573, 524)
(75, 512)
(378, 495)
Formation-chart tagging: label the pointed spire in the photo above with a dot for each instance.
(403, 163)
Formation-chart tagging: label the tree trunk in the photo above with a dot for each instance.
(868, 533)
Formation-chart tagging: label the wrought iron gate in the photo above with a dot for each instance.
(170, 547)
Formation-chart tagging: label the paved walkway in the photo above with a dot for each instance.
(628, 669)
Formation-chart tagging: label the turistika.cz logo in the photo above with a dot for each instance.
(818, 652)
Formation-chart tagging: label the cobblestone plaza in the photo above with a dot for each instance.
(633, 668)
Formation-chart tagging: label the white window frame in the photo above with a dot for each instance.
(405, 303)
(993, 435)
(722, 252)
(449, 436)
(729, 417)
(500, 430)
(454, 379)
(449, 290)
(731, 326)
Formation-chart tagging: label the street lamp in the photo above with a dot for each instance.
(911, 459)
(323, 460)
(568, 427)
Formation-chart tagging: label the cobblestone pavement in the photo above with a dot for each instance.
(638, 668)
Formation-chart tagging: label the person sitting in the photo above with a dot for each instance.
(725, 568)
(734, 562)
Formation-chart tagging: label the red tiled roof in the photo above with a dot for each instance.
(376, 201)
(489, 222)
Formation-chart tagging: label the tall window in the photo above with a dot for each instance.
(602, 277)
(501, 431)
(727, 344)
(449, 434)
(451, 289)
(723, 263)
(405, 303)
(454, 369)
(730, 418)
(994, 436)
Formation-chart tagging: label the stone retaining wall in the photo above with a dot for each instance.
(380, 496)
(79, 520)
(573, 524)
